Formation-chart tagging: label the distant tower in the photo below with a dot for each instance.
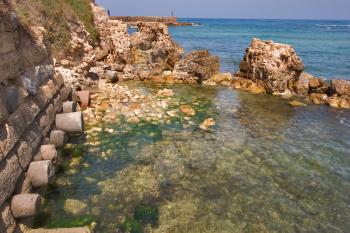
(109, 13)
(172, 14)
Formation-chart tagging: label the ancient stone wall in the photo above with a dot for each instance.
(30, 96)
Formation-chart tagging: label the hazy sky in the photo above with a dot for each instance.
(256, 9)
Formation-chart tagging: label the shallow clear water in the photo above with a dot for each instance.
(264, 167)
(323, 45)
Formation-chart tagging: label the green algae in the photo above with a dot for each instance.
(72, 221)
(131, 226)
(252, 173)
(146, 214)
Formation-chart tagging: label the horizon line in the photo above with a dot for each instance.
(344, 19)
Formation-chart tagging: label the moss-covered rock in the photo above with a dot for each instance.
(146, 214)
(131, 226)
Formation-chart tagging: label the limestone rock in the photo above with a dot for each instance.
(188, 110)
(153, 50)
(318, 98)
(296, 103)
(209, 122)
(196, 67)
(341, 87)
(271, 65)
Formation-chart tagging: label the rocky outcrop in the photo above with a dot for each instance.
(153, 50)
(274, 66)
(114, 44)
(196, 67)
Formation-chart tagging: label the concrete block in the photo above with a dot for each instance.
(48, 152)
(84, 98)
(70, 122)
(25, 205)
(58, 138)
(40, 173)
(69, 106)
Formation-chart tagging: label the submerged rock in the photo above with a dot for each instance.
(146, 214)
(295, 103)
(196, 67)
(209, 122)
(188, 110)
(271, 65)
(130, 226)
(318, 98)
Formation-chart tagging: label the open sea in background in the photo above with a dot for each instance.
(323, 45)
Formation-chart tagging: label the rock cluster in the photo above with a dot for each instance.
(274, 66)
(196, 67)
(277, 69)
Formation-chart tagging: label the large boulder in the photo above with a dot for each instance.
(196, 67)
(341, 87)
(153, 50)
(271, 65)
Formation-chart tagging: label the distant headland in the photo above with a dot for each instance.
(169, 21)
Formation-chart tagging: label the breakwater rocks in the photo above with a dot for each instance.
(133, 20)
(276, 68)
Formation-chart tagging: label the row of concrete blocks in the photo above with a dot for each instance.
(41, 170)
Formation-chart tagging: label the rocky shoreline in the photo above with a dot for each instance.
(151, 55)
(44, 95)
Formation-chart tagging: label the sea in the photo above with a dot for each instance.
(323, 45)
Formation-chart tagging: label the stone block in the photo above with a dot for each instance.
(14, 97)
(7, 221)
(66, 93)
(24, 116)
(11, 65)
(10, 171)
(8, 139)
(3, 110)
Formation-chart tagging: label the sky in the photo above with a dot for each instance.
(253, 9)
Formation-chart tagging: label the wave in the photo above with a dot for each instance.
(344, 121)
(332, 25)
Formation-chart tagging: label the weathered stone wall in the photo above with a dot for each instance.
(29, 98)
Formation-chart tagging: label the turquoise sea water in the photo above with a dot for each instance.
(323, 45)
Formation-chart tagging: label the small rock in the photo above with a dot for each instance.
(133, 120)
(188, 110)
(295, 103)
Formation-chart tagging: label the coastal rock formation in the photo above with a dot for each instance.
(308, 84)
(115, 42)
(271, 65)
(153, 50)
(341, 87)
(196, 67)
